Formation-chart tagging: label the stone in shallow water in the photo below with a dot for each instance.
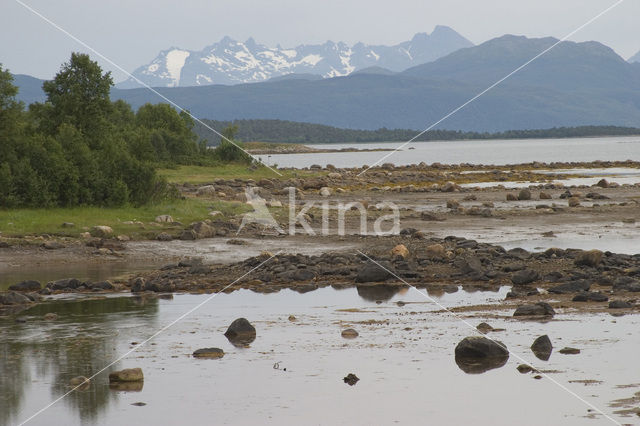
(351, 379)
(349, 333)
(213, 353)
(542, 347)
(569, 351)
(126, 375)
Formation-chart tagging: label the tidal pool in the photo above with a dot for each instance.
(292, 373)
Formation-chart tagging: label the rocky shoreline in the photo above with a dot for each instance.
(560, 279)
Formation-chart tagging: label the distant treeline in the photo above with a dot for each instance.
(296, 132)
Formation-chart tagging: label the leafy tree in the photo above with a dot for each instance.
(230, 151)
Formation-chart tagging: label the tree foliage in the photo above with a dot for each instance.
(80, 148)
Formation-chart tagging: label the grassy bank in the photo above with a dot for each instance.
(22, 222)
(206, 174)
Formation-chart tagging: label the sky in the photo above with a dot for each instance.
(132, 32)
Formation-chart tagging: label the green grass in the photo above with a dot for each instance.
(21, 222)
(207, 174)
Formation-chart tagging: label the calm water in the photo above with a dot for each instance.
(403, 357)
(475, 152)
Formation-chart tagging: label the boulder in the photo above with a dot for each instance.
(349, 333)
(603, 183)
(372, 272)
(138, 285)
(400, 250)
(27, 285)
(476, 354)
(206, 191)
(590, 296)
(101, 285)
(620, 304)
(571, 287)
(545, 196)
(325, 191)
(68, 225)
(204, 230)
(471, 266)
(626, 284)
(511, 197)
(64, 284)
(590, 258)
(435, 251)
(240, 328)
(524, 277)
(539, 309)
(164, 218)
(188, 235)
(569, 351)
(13, 298)
(101, 231)
(480, 347)
(524, 195)
(163, 236)
(542, 347)
(453, 204)
(52, 245)
(574, 202)
(450, 187)
(126, 375)
(211, 353)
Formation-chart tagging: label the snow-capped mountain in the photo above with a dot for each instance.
(232, 62)
(635, 58)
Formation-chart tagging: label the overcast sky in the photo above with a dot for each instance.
(132, 32)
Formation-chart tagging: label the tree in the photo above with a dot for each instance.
(78, 95)
(230, 151)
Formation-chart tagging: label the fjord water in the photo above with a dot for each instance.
(494, 152)
(292, 373)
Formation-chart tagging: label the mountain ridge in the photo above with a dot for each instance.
(233, 62)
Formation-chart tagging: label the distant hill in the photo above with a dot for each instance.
(635, 58)
(232, 62)
(30, 88)
(297, 76)
(576, 84)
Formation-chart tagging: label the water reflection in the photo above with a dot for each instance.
(380, 292)
(79, 343)
(479, 366)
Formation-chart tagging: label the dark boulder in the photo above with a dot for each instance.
(590, 296)
(571, 287)
(524, 277)
(28, 285)
(298, 275)
(101, 285)
(626, 284)
(212, 353)
(539, 309)
(64, 284)
(241, 333)
(620, 304)
(372, 272)
(476, 354)
(542, 347)
(13, 298)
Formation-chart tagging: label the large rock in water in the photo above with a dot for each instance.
(372, 272)
(28, 285)
(542, 347)
(571, 287)
(212, 353)
(477, 354)
(539, 309)
(127, 375)
(240, 328)
(13, 298)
